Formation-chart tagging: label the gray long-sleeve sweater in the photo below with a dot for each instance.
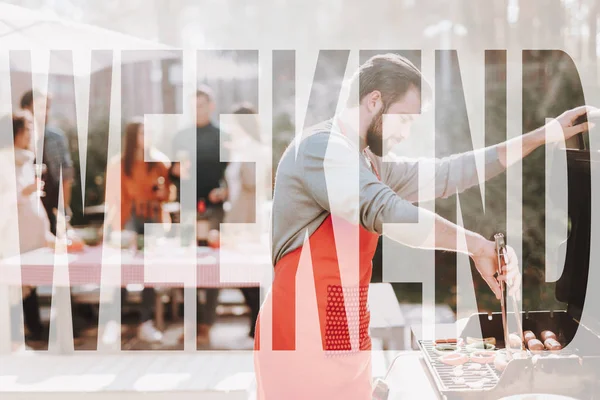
(318, 177)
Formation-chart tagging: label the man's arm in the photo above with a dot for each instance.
(450, 175)
(457, 173)
(538, 137)
(331, 168)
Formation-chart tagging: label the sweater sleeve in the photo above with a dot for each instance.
(451, 175)
(341, 182)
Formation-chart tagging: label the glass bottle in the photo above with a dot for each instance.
(202, 223)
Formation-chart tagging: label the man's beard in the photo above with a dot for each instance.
(374, 137)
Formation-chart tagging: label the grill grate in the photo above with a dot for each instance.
(447, 380)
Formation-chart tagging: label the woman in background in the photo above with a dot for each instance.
(32, 220)
(242, 183)
(34, 226)
(144, 187)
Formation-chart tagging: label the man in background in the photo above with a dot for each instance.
(210, 188)
(56, 156)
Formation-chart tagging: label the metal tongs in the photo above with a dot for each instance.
(502, 262)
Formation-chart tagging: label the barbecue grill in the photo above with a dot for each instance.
(573, 371)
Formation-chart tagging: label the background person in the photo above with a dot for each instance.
(144, 187)
(55, 154)
(242, 178)
(210, 188)
(33, 223)
(34, 226)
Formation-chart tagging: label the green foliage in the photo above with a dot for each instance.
(549, 88)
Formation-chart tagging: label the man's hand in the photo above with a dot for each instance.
(50, 240)
(29, 189)
(486, 262)
(522, 146)
(217, 195)
(567, 119)
(162, 194)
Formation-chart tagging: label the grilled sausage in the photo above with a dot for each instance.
(515, 341)
(528, 335)
(535, 345)
(552, 344)
(546, 335)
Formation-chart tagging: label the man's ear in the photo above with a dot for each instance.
(212, 106)
(374, 102)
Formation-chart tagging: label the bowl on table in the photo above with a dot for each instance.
(90, 235)
(123, 239)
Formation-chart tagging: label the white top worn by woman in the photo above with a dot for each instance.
(34, 227)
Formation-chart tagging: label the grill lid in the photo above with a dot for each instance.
(571, 288)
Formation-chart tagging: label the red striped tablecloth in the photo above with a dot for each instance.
(165, 266)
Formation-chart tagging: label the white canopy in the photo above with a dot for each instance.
(42, 34)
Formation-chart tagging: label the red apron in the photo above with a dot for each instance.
(309, 358)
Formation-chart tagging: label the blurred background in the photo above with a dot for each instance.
(550, 86)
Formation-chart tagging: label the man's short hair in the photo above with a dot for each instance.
(29, 96)
(19, 119)
(392, 75)
(206, 91)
